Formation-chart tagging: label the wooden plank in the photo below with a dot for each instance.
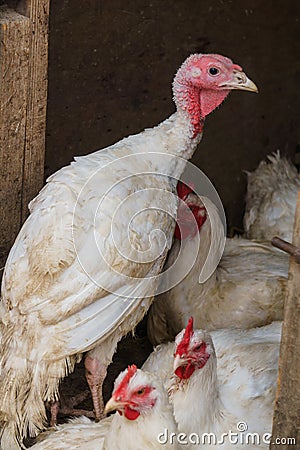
(286, 421)
(14, 67)
(34, 155)
(23, 103)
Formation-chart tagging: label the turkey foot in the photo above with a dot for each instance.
(95, 373)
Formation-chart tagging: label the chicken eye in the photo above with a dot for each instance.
(140, 391)
(213, 71)
(198, 348)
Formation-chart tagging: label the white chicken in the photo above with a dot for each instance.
(83, 269)
(246, 290)
(271, 199)
(223, 379)
(144, 413)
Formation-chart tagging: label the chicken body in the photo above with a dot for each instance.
(83, 269)
(246, 290)
(227, 377)
(77, 434)
(271, 199)
(117, 431)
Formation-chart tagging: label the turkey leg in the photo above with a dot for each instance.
(95, 373)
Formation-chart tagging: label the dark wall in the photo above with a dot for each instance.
(112, 62)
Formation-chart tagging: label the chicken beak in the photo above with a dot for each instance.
(178, 361)
(112, 405)
(240, 81)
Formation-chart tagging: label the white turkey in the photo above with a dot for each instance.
(246, 290)
(144, 412)
(271, 199)
(221, 379)
(83, 269)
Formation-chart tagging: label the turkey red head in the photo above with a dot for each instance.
(203, 82)
(135, 393)
(192, 351)
(191, 214)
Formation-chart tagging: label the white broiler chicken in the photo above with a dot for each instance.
(83, 269)
(144, 411)
(246, 290)
(223, 380)
(271, 199)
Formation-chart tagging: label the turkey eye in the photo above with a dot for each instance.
(213, 71)
(198, 348)
(140, 391)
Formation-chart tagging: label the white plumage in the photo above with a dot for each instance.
(271, 199)
(237, 383)
(53, 305)
(117, 432)
(77, 434)
(246, 290)
(82, 271)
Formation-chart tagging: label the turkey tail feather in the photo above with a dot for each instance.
(25, 386)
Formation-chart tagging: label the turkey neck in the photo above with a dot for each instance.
(174, 138)
(163, 149)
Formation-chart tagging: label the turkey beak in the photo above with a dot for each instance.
(240, 81)
(113, 405)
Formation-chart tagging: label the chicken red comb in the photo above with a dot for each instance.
(182, 347)
(131, 371)
(183, 190)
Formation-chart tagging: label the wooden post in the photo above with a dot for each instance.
(286, 421)
(14, 66)
(34, 152)
(23, 99)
